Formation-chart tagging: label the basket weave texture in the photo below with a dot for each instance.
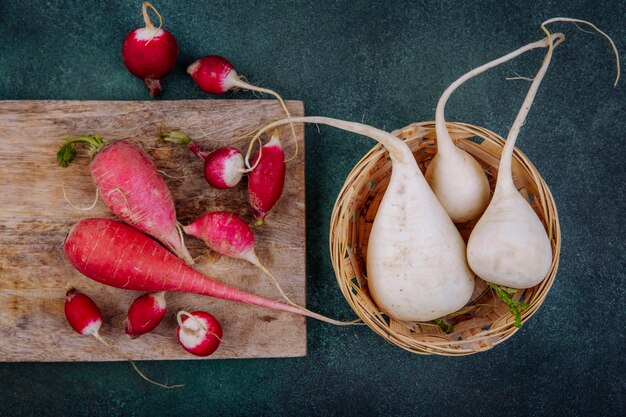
(485, 321)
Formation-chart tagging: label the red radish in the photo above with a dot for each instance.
(150, 53)
(128, 181)
(115, 254)
(267, 179)
(223, 168)
(82, 313)
(227, 234)
(84, 317)
(215, 75)
(145, 314)
(199, 333)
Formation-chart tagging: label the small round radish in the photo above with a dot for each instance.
(150, 53)
(267, 179)
(223, 168)
(145, 314)
(215, 75)
(227, 234)
(199, 333)
(82, 313)
(85, 318)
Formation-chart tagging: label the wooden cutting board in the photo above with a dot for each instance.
(35, 218)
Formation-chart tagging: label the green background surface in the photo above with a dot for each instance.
(386, 63)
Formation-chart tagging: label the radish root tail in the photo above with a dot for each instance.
(95, 201)
(135, 367)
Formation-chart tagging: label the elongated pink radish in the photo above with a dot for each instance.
(145, 314)
(416, 264)
(267, 179)
(199, 332)
(84, 316)
(150, 53)
(115, 254)
(223, 167)
(456, 178)
(227, 234)
(128, 181)
(215, 75)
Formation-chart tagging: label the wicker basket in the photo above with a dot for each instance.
(486, 320)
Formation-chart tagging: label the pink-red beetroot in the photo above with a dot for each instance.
(227, 234)
(199, 332)
(145, 314)
(115, 254)
(267, 179)
(128, 181)
(150, 53)
(223, 168)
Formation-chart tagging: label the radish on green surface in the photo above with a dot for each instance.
(456, 178)
(145, 314)
(416, 264)
(199, 332)
(223, 167)
(215, 75)
(267, 178)
(150, 53)
(127, 179)
(227, 234)
(509, 246)
(84, 316)
(117, 255)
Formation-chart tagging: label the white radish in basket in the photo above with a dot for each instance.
(416, 265)
(509, 246)
(456, 178)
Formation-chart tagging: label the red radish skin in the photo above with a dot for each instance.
(223, 168)
(117, 255)
(227, 234)
(130, 185)
(145, 314)
(199, 332)
(82, 314)
(150, 53)
(267, 179)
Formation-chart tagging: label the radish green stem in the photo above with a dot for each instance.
(66, 153)
(505, 293)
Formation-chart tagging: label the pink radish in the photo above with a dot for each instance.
(115, 254)
(127, 179)
(84, 316)
(267, 178)
(199, 333)
(223, 168)
(215, 75)
(227, 234)
(145, 314)
(150, 53)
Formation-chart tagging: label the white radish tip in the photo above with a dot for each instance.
(191, 69)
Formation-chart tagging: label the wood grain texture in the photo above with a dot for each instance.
(35, 218)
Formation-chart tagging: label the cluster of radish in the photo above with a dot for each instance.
(418, 266)
(146, 251)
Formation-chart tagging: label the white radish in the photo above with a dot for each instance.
(456, 178)
(416, 265)
(509, 245)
